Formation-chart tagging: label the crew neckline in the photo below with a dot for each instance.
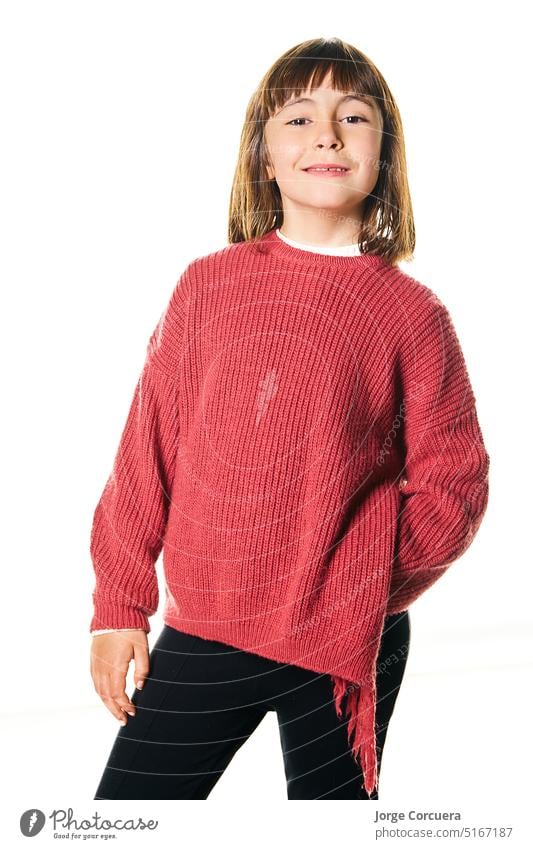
(340, 250)
(278, 247)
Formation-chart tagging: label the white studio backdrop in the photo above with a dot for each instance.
(121, 125)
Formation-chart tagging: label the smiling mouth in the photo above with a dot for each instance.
(336, 169)
(327, 173)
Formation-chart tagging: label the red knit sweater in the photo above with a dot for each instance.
(303, 444)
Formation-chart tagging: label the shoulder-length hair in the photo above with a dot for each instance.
(255, 204)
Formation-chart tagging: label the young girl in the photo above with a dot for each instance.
(304, 446)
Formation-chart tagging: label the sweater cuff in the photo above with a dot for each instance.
(113, 616)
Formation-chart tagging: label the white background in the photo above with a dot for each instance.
(120, 131)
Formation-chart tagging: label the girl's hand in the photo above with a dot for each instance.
(110, 658)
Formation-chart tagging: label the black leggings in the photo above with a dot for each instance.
(202, 699)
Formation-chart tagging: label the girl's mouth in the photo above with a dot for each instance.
(327, 172)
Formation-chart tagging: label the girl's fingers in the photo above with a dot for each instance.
(125, 706)
(110, 658)
(115, 709)
(117, 692)
(120, 706)
(111, 689)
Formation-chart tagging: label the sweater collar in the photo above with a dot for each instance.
(303, 255)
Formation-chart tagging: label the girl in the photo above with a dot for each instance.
(303, 444)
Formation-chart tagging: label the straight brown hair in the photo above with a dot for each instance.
(255, 203)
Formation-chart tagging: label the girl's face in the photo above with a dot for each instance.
(326, 127)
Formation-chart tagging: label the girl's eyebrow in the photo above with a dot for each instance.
(362, 98)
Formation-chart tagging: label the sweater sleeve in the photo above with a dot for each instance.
(444, 489)
(130, 517)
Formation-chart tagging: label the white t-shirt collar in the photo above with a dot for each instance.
(341, 250)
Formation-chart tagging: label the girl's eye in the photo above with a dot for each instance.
(357, 118)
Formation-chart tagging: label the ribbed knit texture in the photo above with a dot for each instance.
(304, 446)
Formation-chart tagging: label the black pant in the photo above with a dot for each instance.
(202, 700)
